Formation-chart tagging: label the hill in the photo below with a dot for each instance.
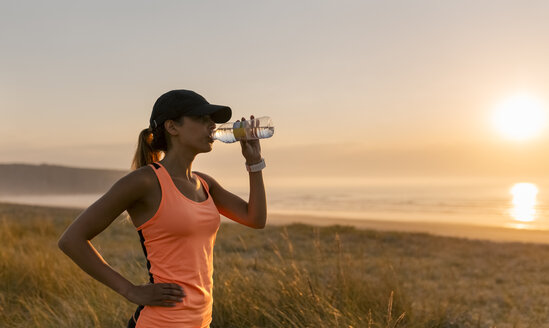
(26, 179)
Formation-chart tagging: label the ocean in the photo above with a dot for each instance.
(487, 202)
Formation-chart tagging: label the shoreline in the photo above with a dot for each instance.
(466, 231)
(476, 232)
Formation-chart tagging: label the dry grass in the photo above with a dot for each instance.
(291, 276)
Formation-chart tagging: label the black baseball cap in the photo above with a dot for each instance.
(175, 103)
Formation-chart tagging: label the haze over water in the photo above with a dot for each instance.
(479, 202)
(485, 202)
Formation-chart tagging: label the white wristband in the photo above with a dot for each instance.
(256, 167)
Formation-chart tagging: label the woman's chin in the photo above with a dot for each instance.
(208, 148)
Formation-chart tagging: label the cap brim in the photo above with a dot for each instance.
(218, 113)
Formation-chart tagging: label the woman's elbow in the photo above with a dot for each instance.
(260, 223)
(63, 243)
(66, 242)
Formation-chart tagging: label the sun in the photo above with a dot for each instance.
(520, 117)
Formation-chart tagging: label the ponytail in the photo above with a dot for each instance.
(150, 147)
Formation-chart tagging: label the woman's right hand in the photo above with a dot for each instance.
(162, 294)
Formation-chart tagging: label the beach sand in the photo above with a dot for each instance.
(442, 229)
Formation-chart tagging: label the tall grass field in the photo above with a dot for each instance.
(283, 276)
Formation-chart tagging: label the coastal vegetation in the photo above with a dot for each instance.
(283, 276)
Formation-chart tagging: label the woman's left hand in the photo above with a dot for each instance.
(251, 149)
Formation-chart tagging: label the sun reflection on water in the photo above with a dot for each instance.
(524, 202)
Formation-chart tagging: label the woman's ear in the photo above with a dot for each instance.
(170, 127)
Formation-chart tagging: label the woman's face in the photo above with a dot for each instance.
(195, 132)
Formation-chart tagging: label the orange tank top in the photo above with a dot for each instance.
(178, 243)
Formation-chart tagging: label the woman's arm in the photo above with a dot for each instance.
(75, 241)
(253, 213)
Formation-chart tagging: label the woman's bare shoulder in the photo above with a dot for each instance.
(144, 172)
(141, 178)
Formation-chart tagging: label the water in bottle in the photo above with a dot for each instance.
(257, 128)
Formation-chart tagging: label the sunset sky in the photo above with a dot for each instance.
(354, 87)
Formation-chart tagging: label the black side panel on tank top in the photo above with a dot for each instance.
(133, 320)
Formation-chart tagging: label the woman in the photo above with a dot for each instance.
(175, 211)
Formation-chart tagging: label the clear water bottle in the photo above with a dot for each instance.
(258, 128)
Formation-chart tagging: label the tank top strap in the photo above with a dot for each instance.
(163, 176)
(204, 183)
